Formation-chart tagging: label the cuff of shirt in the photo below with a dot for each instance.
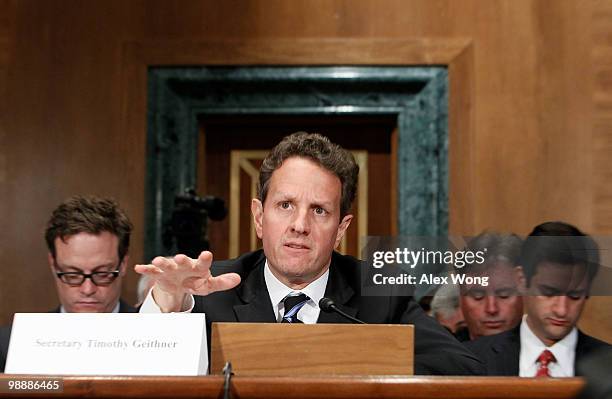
(149, 305)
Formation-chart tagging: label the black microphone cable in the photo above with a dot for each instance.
(328, 305)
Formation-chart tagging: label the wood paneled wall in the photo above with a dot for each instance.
(534, 76)
(6, 39)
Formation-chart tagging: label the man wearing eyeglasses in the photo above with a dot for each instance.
(88, 240)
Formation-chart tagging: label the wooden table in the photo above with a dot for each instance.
(350, 387)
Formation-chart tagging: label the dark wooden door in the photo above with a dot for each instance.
(371, 138)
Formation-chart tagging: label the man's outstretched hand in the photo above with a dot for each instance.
(178, 276)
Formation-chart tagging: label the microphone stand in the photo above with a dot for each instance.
(328, 305)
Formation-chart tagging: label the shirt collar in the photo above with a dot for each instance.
(564, 349)
(278, 291)
(115, 309)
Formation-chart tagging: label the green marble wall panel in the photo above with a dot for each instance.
(178, 97)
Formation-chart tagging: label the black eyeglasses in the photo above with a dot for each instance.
(75, 279)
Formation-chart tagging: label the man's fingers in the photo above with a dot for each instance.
(224, 282)
(212, 284)
(203, 263)
(164, 264)
(147, 269)
(183, 274)
(183, 262)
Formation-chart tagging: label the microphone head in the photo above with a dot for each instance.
(326, 304)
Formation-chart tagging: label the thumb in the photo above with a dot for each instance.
(223, 282)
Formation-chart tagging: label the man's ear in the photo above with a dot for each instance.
(344, 224)
(123, 265)
(51, 262)
(521, 279)
(257, 211)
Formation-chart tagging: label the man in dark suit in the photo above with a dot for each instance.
(498, 306)
(88, 240)
(559, 263)
(306, 188)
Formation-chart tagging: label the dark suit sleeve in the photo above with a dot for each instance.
(481, 347)
(5, 335)
(436, 351)
(499, 352)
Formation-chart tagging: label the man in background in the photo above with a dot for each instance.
(498, 306)
(445, 308)
(88, 239)
(559, 263)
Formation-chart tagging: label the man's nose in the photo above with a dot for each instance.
(560, 305)
(301, 221)
(491, 304)
(88, 287)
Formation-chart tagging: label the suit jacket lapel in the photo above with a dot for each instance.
(340, 292)
(255, 306)
(509, 350)
(125, 308)
(584, 347)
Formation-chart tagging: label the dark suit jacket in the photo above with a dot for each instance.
(5, 332)
(436, 350)
(500, 352)
(5, 336)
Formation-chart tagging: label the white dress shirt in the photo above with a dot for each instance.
(149, 305)
(531, 348)
(115, 309)
(308, 314)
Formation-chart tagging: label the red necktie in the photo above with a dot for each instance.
(544, 359)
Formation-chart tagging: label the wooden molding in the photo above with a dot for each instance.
(456, 53)
(417, 51)
(310, 387)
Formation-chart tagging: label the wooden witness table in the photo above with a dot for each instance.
(306, 387)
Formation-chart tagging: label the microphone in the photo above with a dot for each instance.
(327, 305)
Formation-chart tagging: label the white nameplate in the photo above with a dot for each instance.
(108, 344)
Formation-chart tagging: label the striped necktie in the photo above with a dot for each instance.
(293, 304)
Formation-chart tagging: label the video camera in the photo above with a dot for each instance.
(188, 226)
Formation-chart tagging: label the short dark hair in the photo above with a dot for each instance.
(498, 247)
(91, 215)
(560, 243)
(319, 149)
